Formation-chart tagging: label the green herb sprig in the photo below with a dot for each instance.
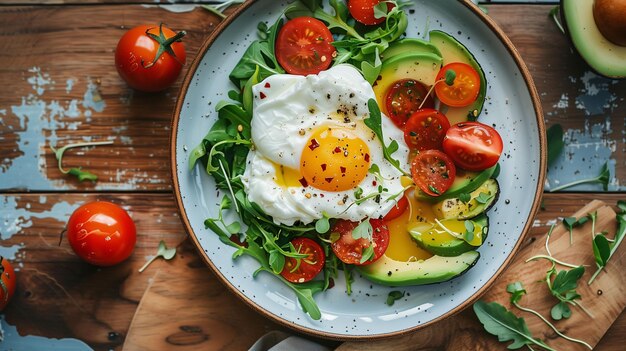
(517, 291)
(77, 172)
(571, 222)
(603, 178)
(499, 321)
(162, 251)
(602, 249)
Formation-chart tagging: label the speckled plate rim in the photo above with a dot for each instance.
(532, 90)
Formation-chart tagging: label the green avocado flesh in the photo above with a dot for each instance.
(603, 56)
(431, 237)
(453, 51)
(436, 269)
(464, 182)
(409, 46)
(478, 204)
(422, 67)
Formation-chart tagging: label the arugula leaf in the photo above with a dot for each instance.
(601, 250)
(276, 261)
(393, 296)
(374, 122)
(499, 321)
(554, 134)
(247, 91)
(619, 237)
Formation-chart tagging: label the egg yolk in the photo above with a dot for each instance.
(401, 245)
(334, 160)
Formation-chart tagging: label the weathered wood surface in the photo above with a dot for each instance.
(58, 85)
(50, 54)
(604, 299)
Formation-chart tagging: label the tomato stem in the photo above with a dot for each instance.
(165, 45)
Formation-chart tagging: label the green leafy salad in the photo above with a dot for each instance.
(344, 148)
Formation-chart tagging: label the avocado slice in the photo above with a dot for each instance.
(409, 46)
(430, 238)
(423, 67)
(457, 209)
(464, 182)
(453, 51)
(602, 55)
(436, 269)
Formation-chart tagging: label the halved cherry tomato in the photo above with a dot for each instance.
(101, 233)
(465, 88)
(433, 172)
(7, 282)
(309, 267)
(472, 145)
(403, 98)
(137, 62)
(397, 210)
(304, 46)
(350, 250)
(425, 129)
(363, 11)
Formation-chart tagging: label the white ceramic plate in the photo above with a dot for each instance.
(512, 107)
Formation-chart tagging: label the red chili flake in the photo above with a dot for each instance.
(235, 238)
(262, 95)
(331, 283)
(314, 144)
(267, 85)
(367, 157)
(304, 182)
(321, 195)
(343, 169)
(328, 180)
(374, 183)
(323, 166)
(337, 150)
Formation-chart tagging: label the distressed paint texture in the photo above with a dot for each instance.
(587, 149)
(11, 340)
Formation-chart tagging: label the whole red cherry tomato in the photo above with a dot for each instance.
(7, 282)
(150, 58)
(101, 233)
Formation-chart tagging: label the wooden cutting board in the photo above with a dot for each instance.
(187, 308)
(605, 298)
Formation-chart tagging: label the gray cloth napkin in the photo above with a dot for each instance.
(280, 341)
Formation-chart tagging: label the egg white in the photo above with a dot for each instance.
(287, 109)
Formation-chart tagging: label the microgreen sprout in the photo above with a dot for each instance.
(218, 9)
(549, 256)
(571, 222)
(517, 291)
(449, 78)
(555, 13)
(603, 178)
(77, 172)
(163, 251)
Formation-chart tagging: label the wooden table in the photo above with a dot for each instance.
(58, 85)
